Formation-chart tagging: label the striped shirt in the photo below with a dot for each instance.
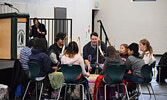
(24, 57)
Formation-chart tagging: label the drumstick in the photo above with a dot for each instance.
(79, 44)
(97, 59)
(113, 39)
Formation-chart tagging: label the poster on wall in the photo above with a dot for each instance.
(21, 37)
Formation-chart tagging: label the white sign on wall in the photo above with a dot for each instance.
(21, 36)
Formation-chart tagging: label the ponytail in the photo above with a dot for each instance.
(149, 48)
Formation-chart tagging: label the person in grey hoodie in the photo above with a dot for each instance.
(112, 57)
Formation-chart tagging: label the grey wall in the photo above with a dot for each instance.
(128, 22)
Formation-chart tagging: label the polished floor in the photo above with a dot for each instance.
(160, 90)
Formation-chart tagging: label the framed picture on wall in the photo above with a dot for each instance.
(143, 0)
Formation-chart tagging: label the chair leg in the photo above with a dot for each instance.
(26, 90)
(96, 93)
(65, 94)
(59, 92)
(153, 91)
(141, 91)
(36, 90)
(41, 91)
(82, 91)
(159, 74)
(105, 95)
(126, 91)
(148, 89)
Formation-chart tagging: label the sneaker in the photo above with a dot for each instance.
(74, 97)
(85, 97)
(116, 95)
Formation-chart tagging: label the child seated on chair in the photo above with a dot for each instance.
(71, 57)
(112, 57)
(124, 52)
(124, 55)
(147, 50)
(135, 63)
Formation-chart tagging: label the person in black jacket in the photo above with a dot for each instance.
(163, 65)
(39, 55)
(37, 30)
(56, 50)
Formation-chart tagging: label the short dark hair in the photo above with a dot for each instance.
(41, 44)
(93, 33)
(30, 43)
(35, 19)
(135, 48)
(60, 35)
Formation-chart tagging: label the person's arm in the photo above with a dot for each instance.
(40, 32)
(88, 64)
(46, 62)
(42, 29)
(85, 57)
(53, 57)
(104, 68)
(83, 67)
(128, 64)
(30, 34)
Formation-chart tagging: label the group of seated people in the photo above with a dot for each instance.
(50, 59)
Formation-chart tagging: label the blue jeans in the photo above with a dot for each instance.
(93, 68)
(132, 78)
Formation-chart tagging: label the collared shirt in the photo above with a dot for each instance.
(24, 57)
(89, 50)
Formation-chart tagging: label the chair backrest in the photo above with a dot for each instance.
(34, 69)
(153, 64)
(116, 73)
(146, 72)
(71, 72)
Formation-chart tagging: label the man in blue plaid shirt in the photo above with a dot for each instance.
(24, 56)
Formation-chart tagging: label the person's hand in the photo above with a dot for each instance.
(30, 28)
(88, 74)
(39, 31)
(89, 68)
(55, 67)
(102, 65)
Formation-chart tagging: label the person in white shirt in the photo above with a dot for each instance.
(147, 50)
(71, 57)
